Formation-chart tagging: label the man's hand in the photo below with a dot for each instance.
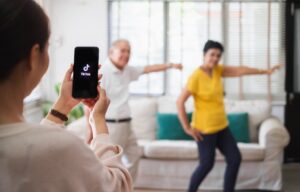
(178, 66)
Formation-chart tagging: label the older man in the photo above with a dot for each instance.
(117, 75)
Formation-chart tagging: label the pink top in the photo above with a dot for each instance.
(35, 158)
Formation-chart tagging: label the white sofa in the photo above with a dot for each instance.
(169, 164)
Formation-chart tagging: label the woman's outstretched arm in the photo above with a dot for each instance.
(232, 71)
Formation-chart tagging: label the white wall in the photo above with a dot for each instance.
(73, 23)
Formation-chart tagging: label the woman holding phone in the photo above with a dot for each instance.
(209, 126)
(44, 157)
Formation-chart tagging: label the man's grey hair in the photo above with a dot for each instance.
(116, 43)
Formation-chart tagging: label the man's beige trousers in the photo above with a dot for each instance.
(122, 134)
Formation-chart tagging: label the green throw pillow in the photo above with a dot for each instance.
(169, 127)
(239, 126)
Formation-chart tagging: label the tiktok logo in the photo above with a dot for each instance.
(85, 72)
(86, 68)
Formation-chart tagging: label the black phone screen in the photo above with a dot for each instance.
(85, 76)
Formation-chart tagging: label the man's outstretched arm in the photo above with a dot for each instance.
(162, 67)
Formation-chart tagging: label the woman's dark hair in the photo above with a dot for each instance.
(213, 45)
(23, 23)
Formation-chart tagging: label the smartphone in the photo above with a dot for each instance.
(85, 74)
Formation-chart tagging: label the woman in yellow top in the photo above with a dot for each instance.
(209, 125)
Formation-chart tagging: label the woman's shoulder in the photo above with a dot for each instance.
(219, 67)
(196, 73)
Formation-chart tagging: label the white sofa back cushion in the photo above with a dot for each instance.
(167, 104)
(143, 113)
(258, 110)
(144, 110)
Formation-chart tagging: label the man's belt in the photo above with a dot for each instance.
(118, 120)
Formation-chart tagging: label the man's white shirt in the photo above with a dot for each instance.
(116, 83)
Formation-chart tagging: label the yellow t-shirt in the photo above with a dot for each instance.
(209, 114)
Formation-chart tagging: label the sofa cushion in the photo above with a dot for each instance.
(143, 113)
(239, 126)
(169, 127)
(167, 149)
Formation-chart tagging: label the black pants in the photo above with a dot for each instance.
(226, 143)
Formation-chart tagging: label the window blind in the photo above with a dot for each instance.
(255, 39)
(252, 32)
(200, 22)
(142, 24)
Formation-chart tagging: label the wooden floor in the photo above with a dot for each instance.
(291, 181)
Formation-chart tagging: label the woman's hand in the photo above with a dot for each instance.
(97, 114)
(195, 134)
(273, 69)
(101, 106)
(66, 102)
(89, 132)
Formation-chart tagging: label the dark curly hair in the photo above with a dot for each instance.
(213, 45)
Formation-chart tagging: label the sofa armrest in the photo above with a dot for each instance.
(273, 136)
